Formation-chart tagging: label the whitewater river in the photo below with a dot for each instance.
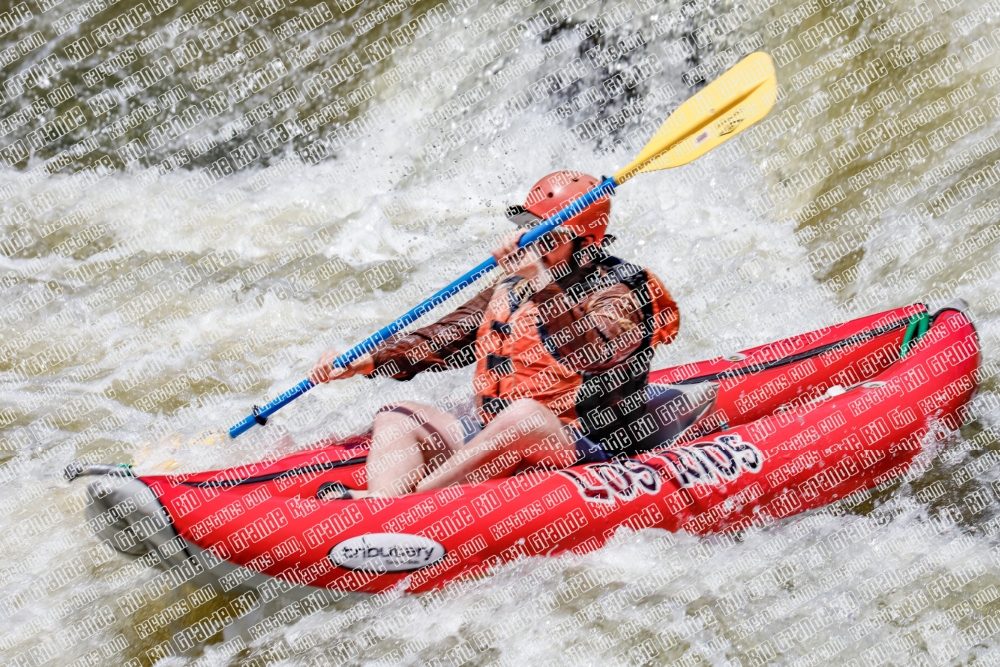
(197, 198)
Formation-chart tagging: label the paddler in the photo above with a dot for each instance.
(562, 348)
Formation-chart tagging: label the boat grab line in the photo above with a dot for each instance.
(304, 470)
(801, 356)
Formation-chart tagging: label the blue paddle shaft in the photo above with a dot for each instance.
(605, 188)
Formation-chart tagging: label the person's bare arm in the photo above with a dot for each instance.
(435, 347)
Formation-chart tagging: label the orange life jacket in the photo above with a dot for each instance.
(518, 356)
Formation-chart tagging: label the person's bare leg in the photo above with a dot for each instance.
(525, 433)
(408, 440)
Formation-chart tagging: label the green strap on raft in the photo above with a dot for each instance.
(914, 332)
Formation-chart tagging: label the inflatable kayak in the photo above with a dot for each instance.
(747, 439)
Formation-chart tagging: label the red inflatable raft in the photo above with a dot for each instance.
(757, 436)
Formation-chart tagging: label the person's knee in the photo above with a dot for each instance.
(418, 414)
(530, 416)
(396, 419)
(456, 431)
(525, 409)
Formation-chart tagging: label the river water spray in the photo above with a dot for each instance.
(197, 198)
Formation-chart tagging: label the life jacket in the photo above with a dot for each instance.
(521, 352)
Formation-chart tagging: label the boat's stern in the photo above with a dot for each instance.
(125, 513)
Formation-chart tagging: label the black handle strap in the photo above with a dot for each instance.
(256, 416)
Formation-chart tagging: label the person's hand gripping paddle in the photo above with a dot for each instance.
(727, 106)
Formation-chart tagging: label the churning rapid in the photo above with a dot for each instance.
(200, 197)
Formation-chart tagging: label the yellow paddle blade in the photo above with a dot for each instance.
(724, 108)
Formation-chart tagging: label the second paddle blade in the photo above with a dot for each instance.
(727, 106)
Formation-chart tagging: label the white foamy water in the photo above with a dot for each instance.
(141, 329)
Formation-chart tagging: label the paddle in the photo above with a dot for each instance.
(720, 111)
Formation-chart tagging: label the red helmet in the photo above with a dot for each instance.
(554, 192)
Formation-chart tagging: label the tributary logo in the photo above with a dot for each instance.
(722, 460)
(387, 552)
